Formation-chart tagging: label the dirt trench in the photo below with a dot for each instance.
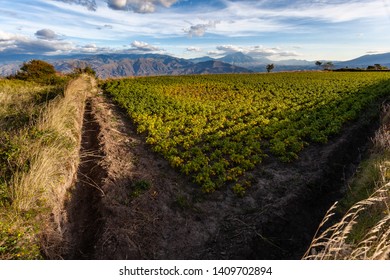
(84, 207)
(130, 204)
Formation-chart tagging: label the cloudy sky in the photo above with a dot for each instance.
(276, 29)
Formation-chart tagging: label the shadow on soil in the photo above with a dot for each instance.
(84, 207)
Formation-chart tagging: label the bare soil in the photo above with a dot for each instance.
(137, 207)
(83, 208)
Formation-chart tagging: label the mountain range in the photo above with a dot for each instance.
(119, 65)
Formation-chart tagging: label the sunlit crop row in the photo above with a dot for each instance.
(215, 128)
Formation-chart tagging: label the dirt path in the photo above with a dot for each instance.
(130, 204)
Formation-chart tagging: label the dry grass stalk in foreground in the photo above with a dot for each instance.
(339, 241)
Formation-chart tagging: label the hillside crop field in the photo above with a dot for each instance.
(215, 128)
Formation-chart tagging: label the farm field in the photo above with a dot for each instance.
(215, 128)
(190, 167)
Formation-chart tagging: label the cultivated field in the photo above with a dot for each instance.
(195, 167)
(215, 128)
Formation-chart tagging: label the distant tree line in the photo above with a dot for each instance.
(330, 65)
(325, 65)
(377, 67)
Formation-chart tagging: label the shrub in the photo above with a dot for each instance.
(38, 71)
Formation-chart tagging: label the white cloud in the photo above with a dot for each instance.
(19, 44)
(254, 51)
(194, 49)
(144, 47)
(199, 30)
(139, 6)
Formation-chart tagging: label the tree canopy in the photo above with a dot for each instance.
(270, 67)
(38, 71)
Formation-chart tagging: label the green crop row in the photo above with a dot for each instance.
(215, 128)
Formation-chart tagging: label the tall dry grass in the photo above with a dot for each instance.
(52, 152)
(363, 233)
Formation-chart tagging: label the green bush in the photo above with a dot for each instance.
(37, 71)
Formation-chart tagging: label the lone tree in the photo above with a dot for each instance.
(318, 63)
(37, 71)
(270, 67)
(328, 65)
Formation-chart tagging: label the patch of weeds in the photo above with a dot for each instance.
(365, 222)
(364, 182)
(17, 120)
(182, 202)
(239, 190)
(5, 198)
(139, 187)
(9, 152)
(17, 244)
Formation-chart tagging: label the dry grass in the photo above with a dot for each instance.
(38, 192)
(363, 233)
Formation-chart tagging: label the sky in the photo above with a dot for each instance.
(275, 29)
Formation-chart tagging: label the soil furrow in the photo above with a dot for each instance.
(84, 207)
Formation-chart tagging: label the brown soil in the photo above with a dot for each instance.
(83, 209)
(138, 207)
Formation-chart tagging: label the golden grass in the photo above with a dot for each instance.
(363, 233)
(52, 152)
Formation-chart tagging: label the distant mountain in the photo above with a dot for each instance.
(144, 65)
(366, 60)
(201, 59)
(295, 62)
(9, 69)
(258, 64)
(120, 65)
(215, 67)
(237, 58)
(126, 65)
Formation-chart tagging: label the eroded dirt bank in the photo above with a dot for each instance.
(150, 211)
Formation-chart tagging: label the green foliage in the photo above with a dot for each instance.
(239, 190)
(216, 128)
(139, 187)
(86, 70)
(377, 67)
(37, 71)
(270, 67)
(16, 244)
(182, 202)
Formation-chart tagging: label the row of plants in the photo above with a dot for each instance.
(215, 128)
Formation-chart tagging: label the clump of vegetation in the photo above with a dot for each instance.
(139, 187)
(16, 243)
(86, 70)
(270, 67)
(377, 67)
(37, 71)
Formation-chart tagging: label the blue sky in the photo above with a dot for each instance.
(276, 29)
